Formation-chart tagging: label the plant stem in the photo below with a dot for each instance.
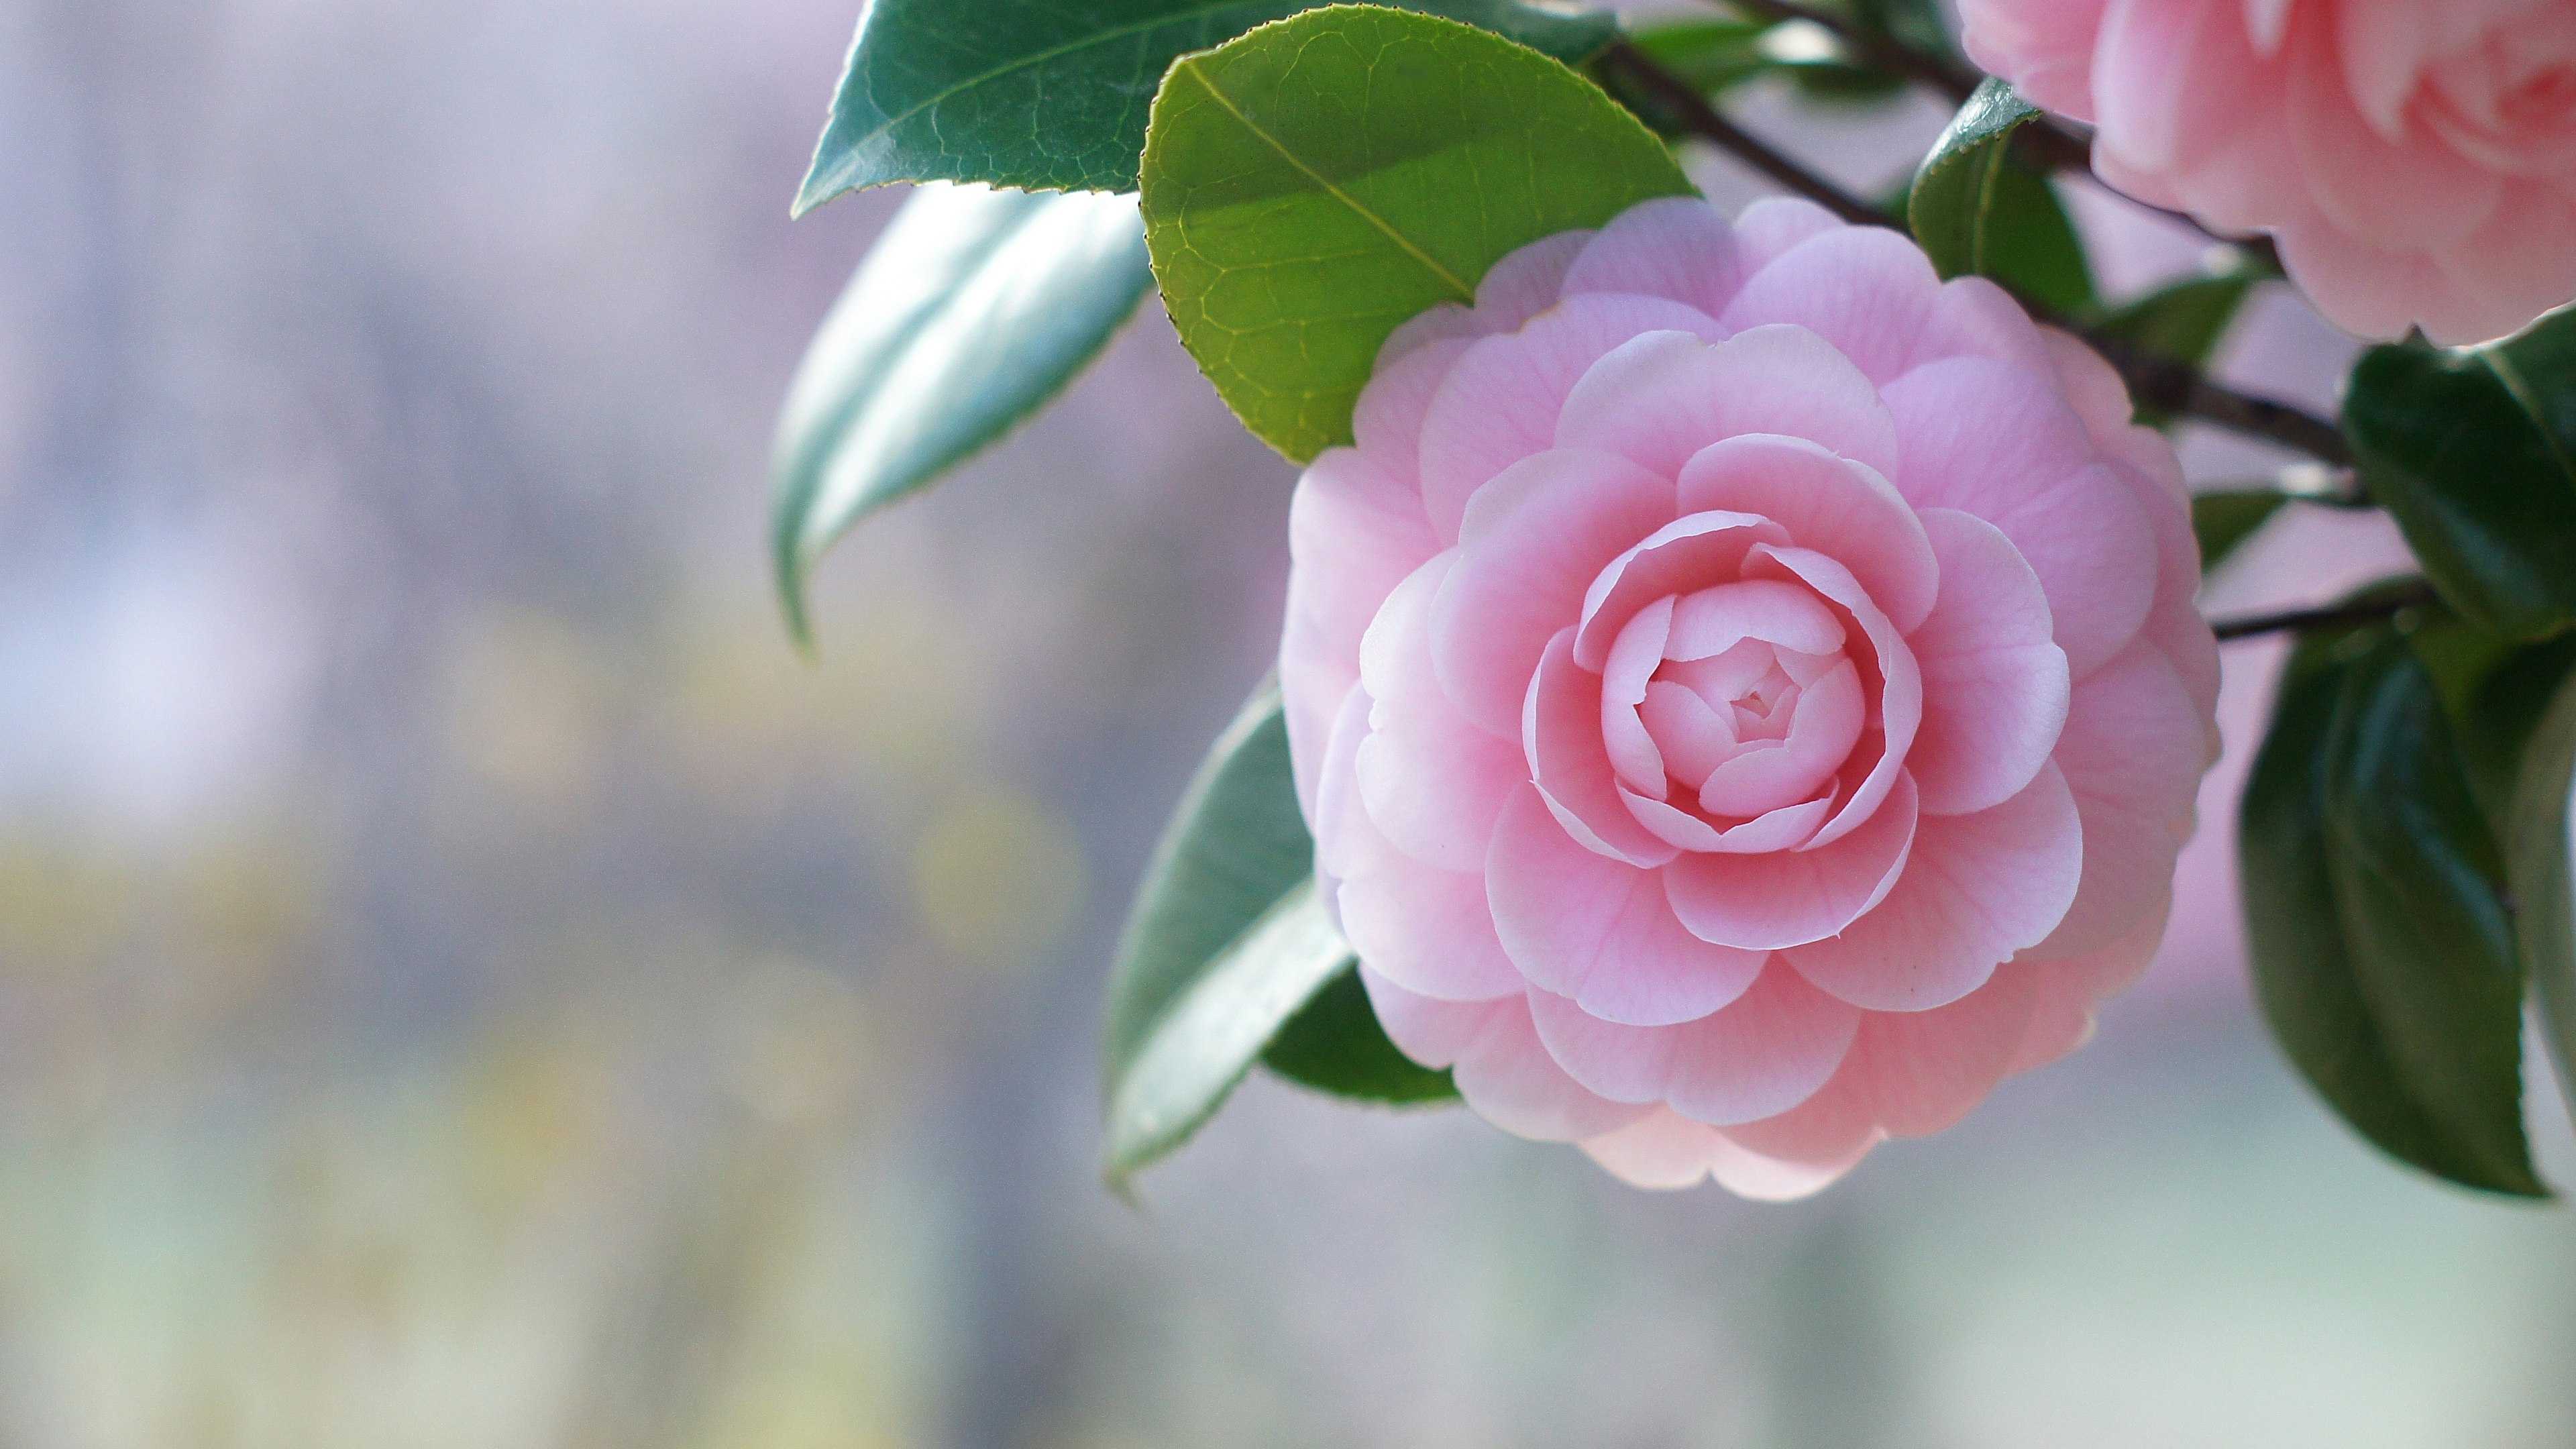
(2160, 382)
(2254, 625)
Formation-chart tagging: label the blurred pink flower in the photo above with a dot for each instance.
(1746, 692)
(2415, 158)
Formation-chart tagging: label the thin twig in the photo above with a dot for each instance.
(2159, 382)
(2366, 612)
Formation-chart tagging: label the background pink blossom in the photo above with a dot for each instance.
(1747, 693)
(2415, 158)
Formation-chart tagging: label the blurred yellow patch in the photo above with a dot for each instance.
(997, 878)
(528, 709)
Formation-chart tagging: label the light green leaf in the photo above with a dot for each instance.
(1207, 1036)
(973, 308)
(1317, 182)
(1051, 95)
(1979, 212)
(2383, 953)
(1334, 1044)
(2473, 451)
(2537, 865)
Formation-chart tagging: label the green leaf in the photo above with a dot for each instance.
(1317, 182)
(1334, 1044)
(2474, 451)
(1053, 95)
(2225, 520)
(1709, 56)
(1979, 211)
(972, 309)
(1208, 1035)
(2383, 953)
(1235, 846)
(2537, 865)
(2184, 321)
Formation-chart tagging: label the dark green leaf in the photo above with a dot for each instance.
(1979, 211)
(972, 309)
(1208, 1035)
(1334, 1044)
(1709, 56)
(2474, 452)
(1915, 23)
(2537, 864)
(2383, 953)
(1317, 182)
(1045, 94)
(2225, 520)
(1236, 845)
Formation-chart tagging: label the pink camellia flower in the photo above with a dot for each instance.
(2415, 158)
(1746, 692)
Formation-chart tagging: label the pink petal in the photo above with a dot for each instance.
(1785, 828)
(1977, 889)
(2145, 59)
(2134, 750)
(1661, 398)
(2062, 1015)
(1528, 280)
(1900, 679)
(1561, 734)
(1830, 717)
(1826, 1133)
(1828, 504)
(1975, 318)
(1761, 1056)
(1431, 780)
(2044, 47)
(1925, 1070)
(2392, 195)
(1715, 619)
(1665, 1150)
(1599, 931)
(1766, 902)
(1675, 247)
(1531, 543)
(1678, 725)
(1994, 686)
(1769, 228)
(1387, 419)
(1865, 290)
(1682, 557)
(1497, 1061)
(1426, 929)
(1634, 755)
(1354, 532)
(1500, 402)
(2002, 444)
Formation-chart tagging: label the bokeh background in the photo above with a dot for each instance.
(465, 982)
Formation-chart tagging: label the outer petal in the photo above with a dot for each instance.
(2003, 444)
(1924, 1070)
(1432, 781)
(1766, 1053)
(2133, 753)
(1769, 228)
(1665, 1150)
(1662, 397)
(1499, 404)
(1495, 1057)
(1839, 508)
(1531, 543)
(1975, 318)
(1792, 897)
(1599, 931)
(1677, 247)
(1865, 290)
(2062, 1013)
(1994, 686)
(2410, 194)
(1354, 532)
(1978, 889)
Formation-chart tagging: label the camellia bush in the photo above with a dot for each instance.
(1741, 693)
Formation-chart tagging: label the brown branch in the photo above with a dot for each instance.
(2369, 611)
(2159, 382)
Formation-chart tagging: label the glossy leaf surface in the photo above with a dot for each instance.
(1047, 94)
(974, 307)
(1315, 183)
(1978, 211)
(1334, 1044)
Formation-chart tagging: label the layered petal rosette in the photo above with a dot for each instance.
(2416, 158)
(1746, 692)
